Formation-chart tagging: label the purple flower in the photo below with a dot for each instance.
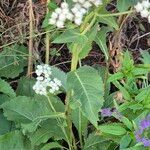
(106, 112)
(143, 126)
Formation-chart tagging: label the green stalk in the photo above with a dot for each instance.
(30, 62)
(60, 122)
(47, 41)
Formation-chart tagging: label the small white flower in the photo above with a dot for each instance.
(146, 4)
(60, 24)
(138, 7)
(62, 17)
(58, 82)
(81, 1)
(78, 21)
(58, 10)
(69, 16)
(64, 5)
(87, 5)
(54, 15)
(144, 13)
(74, 10)
(78, 15)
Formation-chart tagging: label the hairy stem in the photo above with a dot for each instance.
(30, 61)
(47, 41)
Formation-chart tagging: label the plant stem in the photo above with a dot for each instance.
(47, 41)
(30, 63)
(115, 14)
(60, 123)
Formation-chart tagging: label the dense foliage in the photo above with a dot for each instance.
(89, 107)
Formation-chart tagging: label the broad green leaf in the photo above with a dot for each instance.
(70, 35)
(88, 90)
(86, 46)
(5, 125)
(40, 136)
(79, 120)
(123, 5)
(101, 40)
(96, 142)
(13, 59)
(51, 145)
(25, 87)
(5, 88)
(4, 98)
(26, 110)
(12, 141)
(125, 141)
(115, 129)
(109, 20)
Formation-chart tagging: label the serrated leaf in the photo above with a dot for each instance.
(25, 87)
(12, 61)
(70, 35)
(8, 141)
(5, 88)
(86, 46)
(5, 125)
(28, 110)
(88, 90)
(96, 142)
(51, 145)
(79, 120)
(112, 129)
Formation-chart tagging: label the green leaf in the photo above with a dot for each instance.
(109, 20)
(96, 142)
(25, 87)
(143, 96)
(5, 88)
(28, 110)
(13, 59)
(125, 141)
(101, 40)
(88, 90)
(12, 141)
(69, 36)
(127, 122)
(123, 5)
(79, 120)
(116, 76)
(4, 98)
(87, 45)
(145, 57)
(115, 129)
(40, 136)
(52, 145)
(5, 125)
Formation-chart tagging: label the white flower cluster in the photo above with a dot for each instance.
(80, 8)
(144, 9)
(45, 83)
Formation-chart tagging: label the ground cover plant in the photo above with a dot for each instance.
(74, 75)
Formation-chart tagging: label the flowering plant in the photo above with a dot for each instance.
(97, 107)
